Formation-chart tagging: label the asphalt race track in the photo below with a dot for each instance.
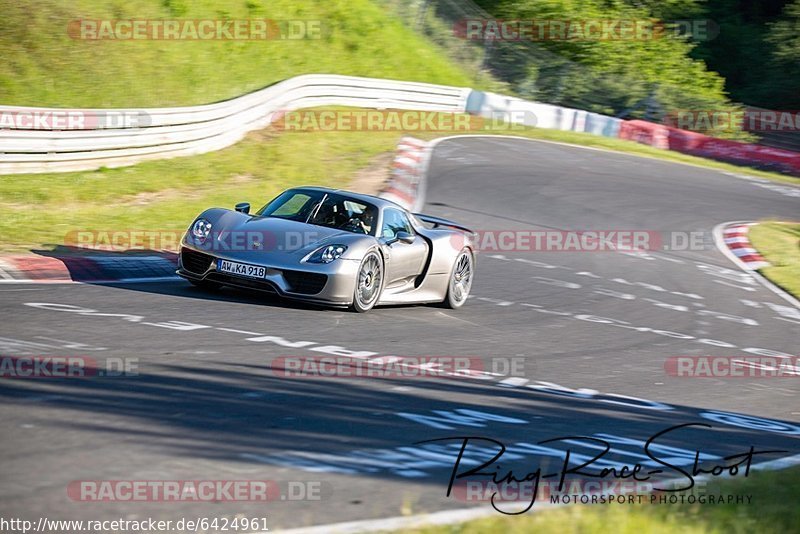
(592, 332)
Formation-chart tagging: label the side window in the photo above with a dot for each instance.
(395, 221)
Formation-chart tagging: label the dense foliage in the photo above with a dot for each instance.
(756, 52)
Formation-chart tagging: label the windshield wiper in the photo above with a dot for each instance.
(316, 210)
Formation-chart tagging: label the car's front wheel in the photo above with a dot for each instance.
(368, 282)
(460, 280)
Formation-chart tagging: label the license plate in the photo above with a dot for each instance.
(242, 269)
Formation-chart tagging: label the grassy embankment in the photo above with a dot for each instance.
(779, 243)
(772, 510)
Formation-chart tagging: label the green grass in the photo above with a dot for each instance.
(41, 209)
(773, 509)
(779, 243)
(43, 66)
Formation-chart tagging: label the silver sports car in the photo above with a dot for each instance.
(331, 247)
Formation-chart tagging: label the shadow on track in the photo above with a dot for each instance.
(252, 414)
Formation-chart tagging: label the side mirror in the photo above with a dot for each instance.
(405, 237)
(243, 207)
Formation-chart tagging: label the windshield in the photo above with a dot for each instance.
(323, 208)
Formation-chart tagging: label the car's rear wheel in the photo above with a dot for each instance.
(460, 280)
(208, 285)
(369, 282)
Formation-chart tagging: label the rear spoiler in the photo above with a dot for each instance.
(438, 221)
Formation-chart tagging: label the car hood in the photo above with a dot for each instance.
(239, 235)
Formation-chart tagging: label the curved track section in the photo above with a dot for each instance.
(589, 334)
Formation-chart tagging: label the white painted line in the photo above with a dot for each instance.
(739, 252)
(513, 381)
(448, 517)
(29, 281)
(740, 239)
(777, 465)
(746, 288)
(245, 332)
(742, 229)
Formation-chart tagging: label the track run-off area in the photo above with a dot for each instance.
(573, 344)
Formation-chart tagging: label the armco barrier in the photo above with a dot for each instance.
(185, 131)
(541, 115)
(697, 144)
(602, 125)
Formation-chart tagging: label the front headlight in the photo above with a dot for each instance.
(200, 229)
(327, 254)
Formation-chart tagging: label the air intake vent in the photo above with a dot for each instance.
(305, 283)
(195, 262)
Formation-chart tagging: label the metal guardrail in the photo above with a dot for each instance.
(182, 131)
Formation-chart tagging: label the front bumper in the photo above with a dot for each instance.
(332, 284)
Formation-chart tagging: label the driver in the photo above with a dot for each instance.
(360, 223)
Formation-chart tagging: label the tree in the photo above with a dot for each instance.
(608, 75)
(784, 36)
(671, 9)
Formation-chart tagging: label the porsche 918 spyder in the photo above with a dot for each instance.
(331, 247)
